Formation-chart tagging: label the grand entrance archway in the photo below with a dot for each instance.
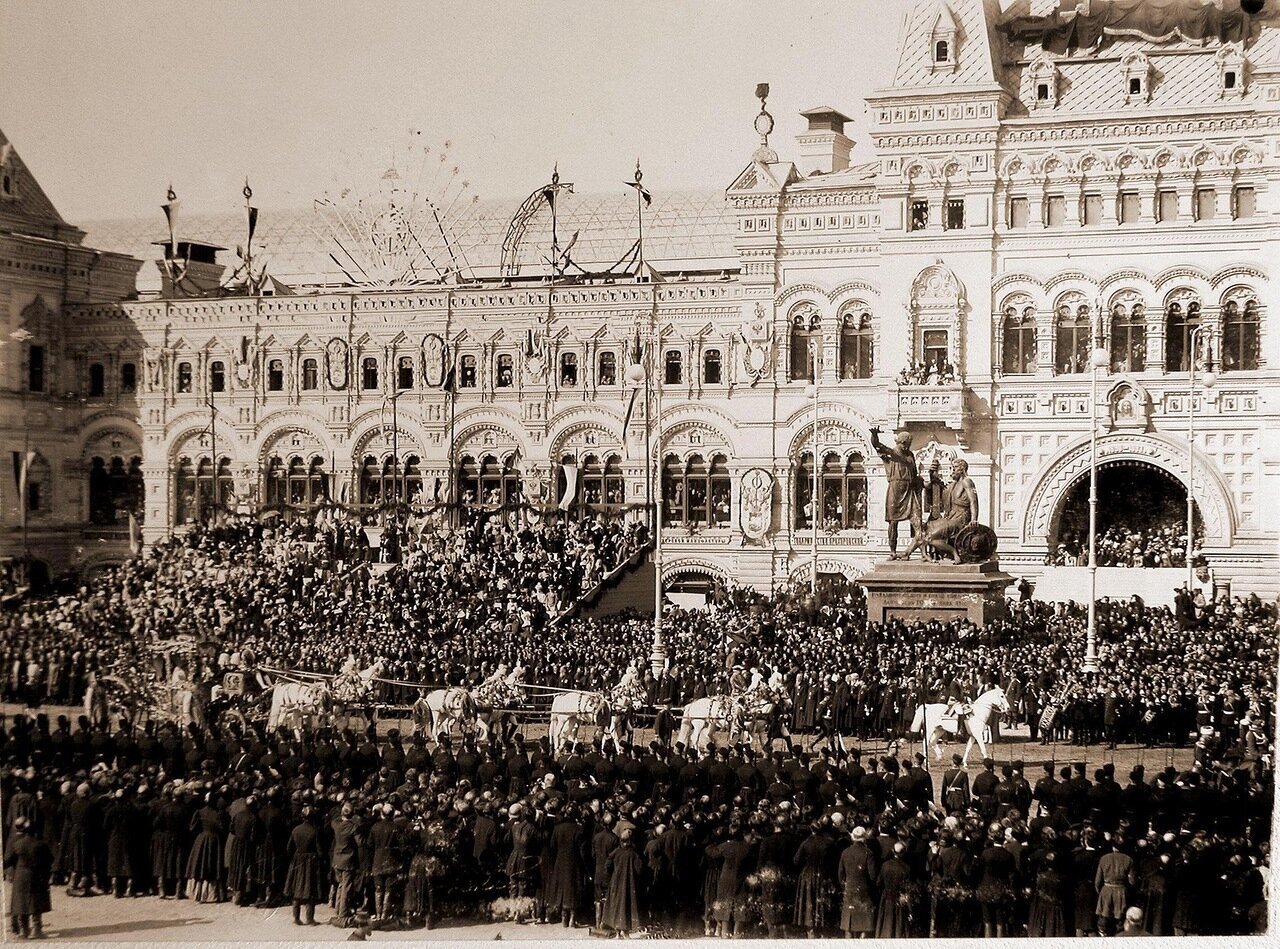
(1162, 458)
(1142, 517)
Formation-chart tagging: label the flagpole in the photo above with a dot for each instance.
(639, 224)
(213, 441)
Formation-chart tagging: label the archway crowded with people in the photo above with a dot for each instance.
(1141, 520)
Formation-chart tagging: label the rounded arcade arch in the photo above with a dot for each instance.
(1046, 500)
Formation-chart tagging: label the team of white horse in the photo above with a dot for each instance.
(751, 718)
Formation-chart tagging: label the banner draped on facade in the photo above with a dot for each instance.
(1156, 21)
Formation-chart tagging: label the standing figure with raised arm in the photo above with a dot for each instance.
(902, 499)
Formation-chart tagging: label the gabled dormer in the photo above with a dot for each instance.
(1230, 60)
(942, 41)
(1043, 74)
(1136, 69)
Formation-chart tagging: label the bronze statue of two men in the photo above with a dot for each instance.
(902, 501)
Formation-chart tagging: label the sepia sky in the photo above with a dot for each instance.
(109, 101)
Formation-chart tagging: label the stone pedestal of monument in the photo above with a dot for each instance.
(924, 590)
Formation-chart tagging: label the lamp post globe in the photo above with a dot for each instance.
(635, 375)
(1099, 358)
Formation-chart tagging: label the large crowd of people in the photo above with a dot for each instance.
(736, 840)
(663, 838)
(1120, 545)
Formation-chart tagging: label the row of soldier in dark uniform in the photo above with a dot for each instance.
(730, 841)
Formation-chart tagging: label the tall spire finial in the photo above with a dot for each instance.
(763, 126)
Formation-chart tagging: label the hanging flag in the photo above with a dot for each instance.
(640, 189)
(23, 466)
(570, 469)
(450, 380)
(135, 535)
(528, 343)
(171, 215)
(631, 408)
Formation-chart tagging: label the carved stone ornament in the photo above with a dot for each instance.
(757, 504)
(335, 361)
(757, 345)
(434, 353)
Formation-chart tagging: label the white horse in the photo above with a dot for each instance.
(452, 706)
(296, 703)
(702, 718)
(934, 723)
(571, 710)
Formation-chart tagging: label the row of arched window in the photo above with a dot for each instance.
(1238, 345)
(116, 490)
(842, 492)
(600, 483)
(467, 376)
(128, 379)
(198, 494)
(855, 355)
(696, 492)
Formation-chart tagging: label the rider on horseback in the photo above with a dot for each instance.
(958, 707)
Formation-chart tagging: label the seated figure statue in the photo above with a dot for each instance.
(960, 509)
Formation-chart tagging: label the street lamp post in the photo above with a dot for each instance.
(1199, 335)
(638, 375)
(815, 502)
(1098, 359)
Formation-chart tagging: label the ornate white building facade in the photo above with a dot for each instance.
(1020, 201)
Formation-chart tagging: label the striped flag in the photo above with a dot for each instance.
(21, 468)
(570, 469)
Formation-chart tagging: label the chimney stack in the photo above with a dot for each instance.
(824, 147)
(189, 269)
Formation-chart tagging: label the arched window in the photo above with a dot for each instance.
(217, 376)
(1073, 331)
(184, 377)
(506, 372)
(467, 378)
(136, 489)
(806, 329)
(374, 484)
(844, 492)
(196, 493)
(38, 500)
(720, 491)
(856, 360)
(1179, 324)
(590, 488)
(804, 492)
(608, 369)
(1019, 340)
(275, 376)
(369, 373)
(673, 371)
(404, 372)
(277, 482)
(1128, 338)
(1240, 335)
(941, 51)
(97, 379)
(101, 510)
(128, 378)
(615, 486)
(114, 491)
(711, 368)
(568, 370)
(310, 374)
